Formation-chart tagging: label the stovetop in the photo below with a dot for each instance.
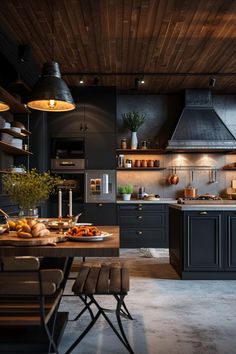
(201, 199)
(206, 200)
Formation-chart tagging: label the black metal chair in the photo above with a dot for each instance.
(102, 280)
(29, 296)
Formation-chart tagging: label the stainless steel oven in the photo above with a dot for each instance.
(67, 162)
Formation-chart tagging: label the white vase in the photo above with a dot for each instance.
(126, 196)
(134, 141)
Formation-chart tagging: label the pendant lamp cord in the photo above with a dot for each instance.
(52, 20)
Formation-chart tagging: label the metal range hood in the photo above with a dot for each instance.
(199, 128)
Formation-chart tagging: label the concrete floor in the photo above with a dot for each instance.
(171, 316)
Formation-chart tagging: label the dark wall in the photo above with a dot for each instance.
(161, 111)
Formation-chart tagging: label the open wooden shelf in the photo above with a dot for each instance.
(13, 150)
(141, 169)
(15, 134)
(141, 151)
(15, 105)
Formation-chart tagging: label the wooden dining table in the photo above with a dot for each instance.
(108, 247)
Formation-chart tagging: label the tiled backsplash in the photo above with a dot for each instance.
(155, 182)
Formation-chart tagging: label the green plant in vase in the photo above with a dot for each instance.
(133, 120)
(125, 191)
(29, 189)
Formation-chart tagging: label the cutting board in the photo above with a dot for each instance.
(11, 239)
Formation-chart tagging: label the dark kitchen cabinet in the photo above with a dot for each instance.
(95, 113)
(203, 241)
(230, 220)
(101, 213)
(100, 151)
(100, 109)
(143, 225)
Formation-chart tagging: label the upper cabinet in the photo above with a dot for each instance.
(95, 113)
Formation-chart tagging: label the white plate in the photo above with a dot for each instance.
(88, 238)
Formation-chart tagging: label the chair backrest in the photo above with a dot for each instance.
(22, 276)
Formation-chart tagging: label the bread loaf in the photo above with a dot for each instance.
(23, 234)
(37, 228)
(44, 232)
(31, 223)
(26, 228)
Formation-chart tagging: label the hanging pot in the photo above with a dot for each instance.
(174, 178)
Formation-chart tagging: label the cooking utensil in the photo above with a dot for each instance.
(170, 176)
(190, 191)
(174, 178)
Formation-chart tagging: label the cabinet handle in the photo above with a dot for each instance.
(140, 232)
(140, 217)
(86, 127)
(100, 204)
(81, 127)
(140, 208)
(203, 213)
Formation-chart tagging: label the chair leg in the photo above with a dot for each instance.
(51, 334)
(119, 304)
(125, 312)
(121, 336)
(86, 307)
(83, 334)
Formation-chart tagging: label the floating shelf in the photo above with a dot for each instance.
(13, 150)
(141, 151)
(192, 168)
(141, 169)
(15, 134)
(15, 106)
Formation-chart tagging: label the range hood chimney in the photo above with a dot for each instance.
(199, 127)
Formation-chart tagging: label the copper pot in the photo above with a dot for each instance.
(190, 192)
(173, 178)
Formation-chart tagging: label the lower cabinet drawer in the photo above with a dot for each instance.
(135, 238)
(137, 220)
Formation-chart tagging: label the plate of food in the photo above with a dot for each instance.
(86, 233)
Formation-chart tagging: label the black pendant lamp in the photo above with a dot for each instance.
(3, 106)
(51, 93)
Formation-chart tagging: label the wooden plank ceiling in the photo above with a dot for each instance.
(115, 39)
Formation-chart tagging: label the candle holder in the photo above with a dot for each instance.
(70, 220)
(60, 226)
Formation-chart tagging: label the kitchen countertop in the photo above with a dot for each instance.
(142, 201)
(207, 207)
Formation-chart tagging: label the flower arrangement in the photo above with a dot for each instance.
(133, 120)
(30, 188)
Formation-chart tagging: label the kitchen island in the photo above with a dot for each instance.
(203, 240)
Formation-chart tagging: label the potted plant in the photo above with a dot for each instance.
(126, 191)
(133, 120)
(29, 189)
